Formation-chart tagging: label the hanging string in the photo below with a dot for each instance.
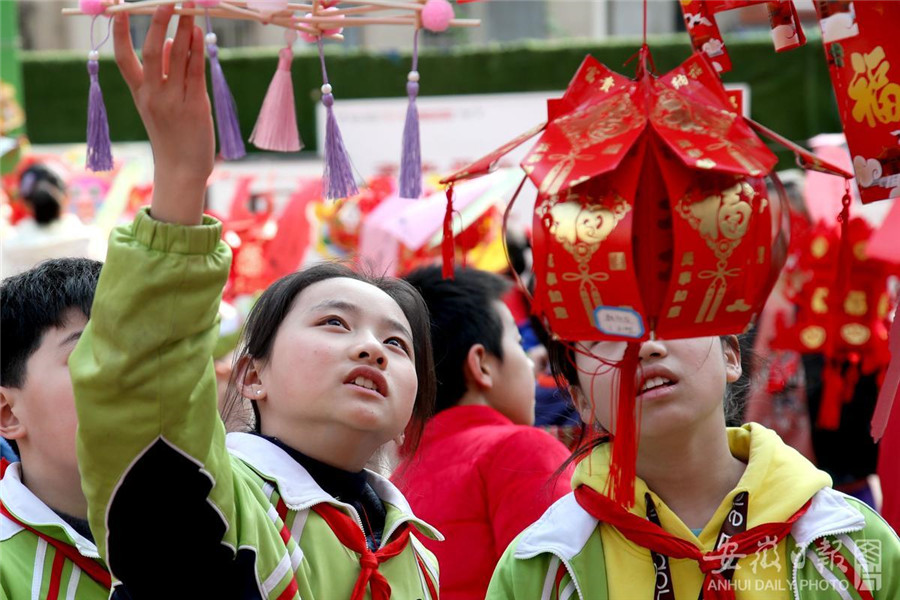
(645, 22)
(519, 283)
(105, 38)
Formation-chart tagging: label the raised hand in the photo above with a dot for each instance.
(169, 91)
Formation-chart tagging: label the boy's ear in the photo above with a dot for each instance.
(248, 380)
(477, 368)
(10, 426)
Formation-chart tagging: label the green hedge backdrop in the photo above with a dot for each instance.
(790, 92)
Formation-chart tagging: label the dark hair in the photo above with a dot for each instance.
(274, 305)
(461, 316)
(562, 366)
(45, 202)
(38, 174)
(35, 301)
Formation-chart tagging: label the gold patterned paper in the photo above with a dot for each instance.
(580, 228)
(722, 220)
(584, 129)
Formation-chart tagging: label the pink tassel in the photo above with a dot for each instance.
(276, 126)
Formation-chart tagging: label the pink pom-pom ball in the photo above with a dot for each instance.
(268, 7)
(309, 38)
(91, 7)
(436, 15)
(312, 38)
(207, 3)
(335, 30)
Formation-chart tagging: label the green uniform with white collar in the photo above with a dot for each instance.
(838, 549)
(174, 512)
(30, 565)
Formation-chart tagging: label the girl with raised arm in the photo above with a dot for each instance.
(334, 365)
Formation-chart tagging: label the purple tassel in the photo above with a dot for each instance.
(338, 176)
(339, 180)
(99, 152)
(411, 155)
(231, 146)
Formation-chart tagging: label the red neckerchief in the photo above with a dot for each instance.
(350, 535)
(653, 537)
(90, 566)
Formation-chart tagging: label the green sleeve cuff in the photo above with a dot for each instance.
(173, 238)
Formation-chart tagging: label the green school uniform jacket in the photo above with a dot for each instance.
(561, 556)
(839, 549)
(175, 514)
(30, 566)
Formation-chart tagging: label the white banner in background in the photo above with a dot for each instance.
(455, 130)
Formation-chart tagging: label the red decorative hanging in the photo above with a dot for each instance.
(863, 52)
(843, 309)
(652, 211)
(700, 20)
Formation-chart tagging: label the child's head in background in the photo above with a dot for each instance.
(42, 314)
(334, 364)
(43, 192)
(478, 353)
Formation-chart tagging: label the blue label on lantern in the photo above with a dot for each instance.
(618, 321)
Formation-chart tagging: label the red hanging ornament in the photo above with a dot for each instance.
(843, 308)
(700, 21)
(863, 53)
(447, 246)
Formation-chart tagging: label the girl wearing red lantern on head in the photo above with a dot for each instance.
(719, 512)
(333, 365)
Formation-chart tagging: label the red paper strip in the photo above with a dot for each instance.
(700, 20)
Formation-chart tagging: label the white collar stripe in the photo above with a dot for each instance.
(73, 582)
(37, 577)
(282, 569)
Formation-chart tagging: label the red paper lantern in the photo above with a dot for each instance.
(652, 210)
(652, 216)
